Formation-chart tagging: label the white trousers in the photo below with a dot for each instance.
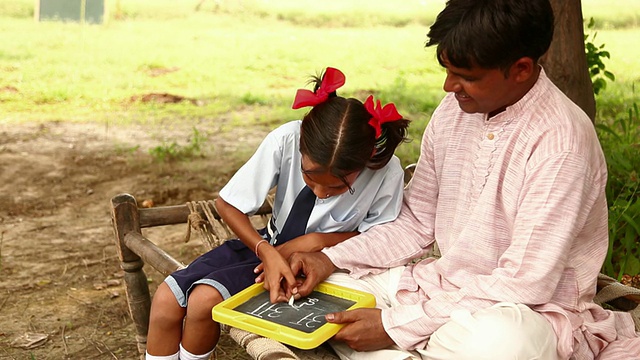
(505, 331)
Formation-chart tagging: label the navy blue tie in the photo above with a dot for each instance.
(296, 223)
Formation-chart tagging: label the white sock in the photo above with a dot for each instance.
(175, 356)
(185, 355)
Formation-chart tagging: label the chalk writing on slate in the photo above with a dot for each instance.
(306, 314)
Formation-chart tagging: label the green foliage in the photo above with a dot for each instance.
(253, 99)
(334, 14)
(621, 144)
(620, 139)
(174, 152)
(595, 57)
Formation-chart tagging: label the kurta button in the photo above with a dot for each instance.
(490, 136)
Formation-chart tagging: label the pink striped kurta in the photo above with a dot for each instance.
(517, 206)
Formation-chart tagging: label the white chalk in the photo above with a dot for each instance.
(291, 300)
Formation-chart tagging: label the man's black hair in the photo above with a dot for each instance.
(492, 33)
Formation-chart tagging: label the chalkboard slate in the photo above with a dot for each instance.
(302, 325)
(306, 314)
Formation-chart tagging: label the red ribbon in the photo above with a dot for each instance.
(331, 81)
(380, 114)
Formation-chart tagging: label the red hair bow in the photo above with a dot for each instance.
(331, 81)
(380, 114)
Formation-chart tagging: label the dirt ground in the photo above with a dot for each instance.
(61, 288)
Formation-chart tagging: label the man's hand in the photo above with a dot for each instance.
(363, 330)
(299, 244)
(315, 267)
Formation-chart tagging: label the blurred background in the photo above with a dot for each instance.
(240, 62)
(165, 99)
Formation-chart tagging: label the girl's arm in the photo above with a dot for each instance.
(244, 229)
(275, 266)
(238, 222)
(323, 240)
(313, 242)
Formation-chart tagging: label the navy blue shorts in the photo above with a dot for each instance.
(228, 268)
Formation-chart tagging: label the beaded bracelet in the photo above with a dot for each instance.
(258, 244)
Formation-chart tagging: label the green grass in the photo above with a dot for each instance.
(69, 71)
(243, 60)
(243, 66)
(612, 14)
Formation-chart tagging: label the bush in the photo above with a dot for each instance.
(174, 152)
(621, 144)
(595, 56)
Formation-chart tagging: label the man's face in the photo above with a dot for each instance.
(480, 90)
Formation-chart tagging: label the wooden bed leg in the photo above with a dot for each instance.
(125, 219)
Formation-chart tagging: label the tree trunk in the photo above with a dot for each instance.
(566, 62)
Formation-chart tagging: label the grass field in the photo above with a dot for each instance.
(226, 59)
(243, 60)
(233, 56)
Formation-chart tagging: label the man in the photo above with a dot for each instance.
(511, 186)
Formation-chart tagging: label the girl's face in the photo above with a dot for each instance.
(322, 182)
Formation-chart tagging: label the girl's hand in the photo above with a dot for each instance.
(304, 243)
(279, 280)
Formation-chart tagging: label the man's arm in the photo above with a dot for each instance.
(410, 235)
(311, 242)
(559, 197)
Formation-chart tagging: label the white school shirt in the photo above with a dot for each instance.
(277, 162)
(516, 204)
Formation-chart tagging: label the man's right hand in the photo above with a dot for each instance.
(315, 266)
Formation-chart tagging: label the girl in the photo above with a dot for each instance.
(335, 176)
